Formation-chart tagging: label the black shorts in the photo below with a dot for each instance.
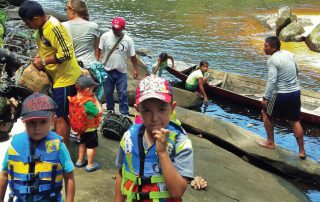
(90, 139)
(60, 96)
(285, 105)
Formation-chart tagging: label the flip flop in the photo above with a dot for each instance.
(79, 164)
(95, 167)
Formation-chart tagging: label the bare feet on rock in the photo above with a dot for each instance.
(302, 155)
(266, 144)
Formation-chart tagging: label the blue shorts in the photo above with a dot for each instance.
(60, 96)
(285, 105)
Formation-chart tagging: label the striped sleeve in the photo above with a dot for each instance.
(62, 43)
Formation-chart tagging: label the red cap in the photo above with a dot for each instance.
(118, 23)
(37, 106)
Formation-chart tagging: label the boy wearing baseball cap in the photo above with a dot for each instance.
(85, 118)
(156, 157)
(37, 160)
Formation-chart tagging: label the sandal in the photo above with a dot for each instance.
(95, 167)
(80, 164)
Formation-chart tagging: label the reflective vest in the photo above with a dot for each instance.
(79, 120)
(150, 185)
(38, 173)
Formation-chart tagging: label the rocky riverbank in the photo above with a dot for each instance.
(292, 28)
(230, 178)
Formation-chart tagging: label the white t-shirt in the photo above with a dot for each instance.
(84, 33)
(193, 77)
(119, 57)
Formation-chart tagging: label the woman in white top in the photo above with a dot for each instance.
(85, 34)
(196, 80)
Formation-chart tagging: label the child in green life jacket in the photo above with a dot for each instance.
(85, 117)
(161, 64)
(155, 158)
(37, 160)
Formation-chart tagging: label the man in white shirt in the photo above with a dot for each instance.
(282, 95)
(115, 63)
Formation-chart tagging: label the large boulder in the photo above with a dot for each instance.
(284, 18)
(292, 32)
(269, 21)
(313, 39)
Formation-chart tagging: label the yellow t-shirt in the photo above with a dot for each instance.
(52, 38)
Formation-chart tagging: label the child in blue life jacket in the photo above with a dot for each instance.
(155, 158)
(161, 64)
(85, 117)
(37, 160)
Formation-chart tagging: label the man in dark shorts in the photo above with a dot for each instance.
(55, 56)
(282, 95)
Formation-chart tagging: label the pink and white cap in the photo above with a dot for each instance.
(154, 87)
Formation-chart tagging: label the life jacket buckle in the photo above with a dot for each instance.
(144, 180)
(34, 158)
(33, 189)
(142, 196)
(33, 176)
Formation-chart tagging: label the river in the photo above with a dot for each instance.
(227, 35)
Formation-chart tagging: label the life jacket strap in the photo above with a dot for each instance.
(32, 176)
(22, 189)
(143, 180)
(149, 195)
(32, 158)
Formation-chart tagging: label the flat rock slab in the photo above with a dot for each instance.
(229, 177)
(230, 134)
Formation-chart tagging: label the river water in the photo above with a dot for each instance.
(227, 35)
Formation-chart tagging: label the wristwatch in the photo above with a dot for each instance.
(43, 62)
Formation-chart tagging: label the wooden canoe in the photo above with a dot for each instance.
(249, 91)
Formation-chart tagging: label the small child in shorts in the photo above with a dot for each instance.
(85, 117)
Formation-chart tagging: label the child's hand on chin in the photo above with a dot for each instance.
(161, 140)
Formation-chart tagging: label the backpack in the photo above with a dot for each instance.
(78, 117)
(115, 125)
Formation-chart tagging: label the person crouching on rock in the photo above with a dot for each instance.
(196, 80)
(37, 160)
(148, 150)
(161, 64)
(85, 118)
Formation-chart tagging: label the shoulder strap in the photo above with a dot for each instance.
(113, 48)
(142, 155)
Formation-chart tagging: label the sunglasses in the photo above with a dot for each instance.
(68, 8)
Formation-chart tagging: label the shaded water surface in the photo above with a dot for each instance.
(224, 32)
